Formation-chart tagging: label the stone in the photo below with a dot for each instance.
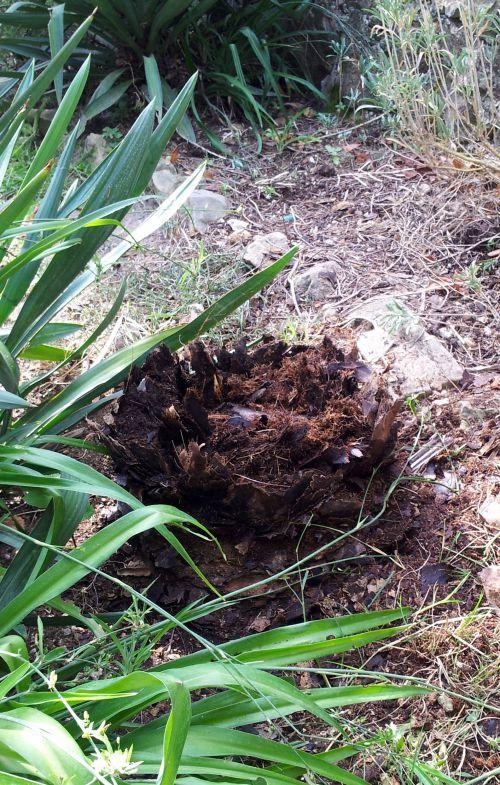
(203, 206)
(374, 344)
(166, 179)
(240, 232)
(424, 364)
(96, 148)
(433, 575)
(316, 283)
(206, 206)
(490, 578)
(45, 119)
(418, 361)
(490, 511)
(263, 245)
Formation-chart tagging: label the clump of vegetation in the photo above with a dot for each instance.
(48, 244)
(248, 55)
(59, 725)
(437, 86)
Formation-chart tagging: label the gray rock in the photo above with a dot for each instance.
(490, 511)
(96, 148)
(316, 283)
(263, 245)
(166, 179)
(424, 364)
(203, 206)
(206, 206)
(45, 119)
(418, 361)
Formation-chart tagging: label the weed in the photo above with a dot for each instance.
(335, 154)
(438, 93)
(111, 135)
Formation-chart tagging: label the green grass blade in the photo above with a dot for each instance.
(92, 553)
(176, 732)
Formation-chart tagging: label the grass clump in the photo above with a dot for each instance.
(436, 79)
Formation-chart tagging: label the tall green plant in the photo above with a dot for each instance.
(253, 54)
(53, 732)
(47, 256)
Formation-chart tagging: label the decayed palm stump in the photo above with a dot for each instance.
(254, 444)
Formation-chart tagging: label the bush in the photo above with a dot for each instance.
(436, 79)
(251, 54)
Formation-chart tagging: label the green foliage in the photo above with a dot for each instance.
(83, 731)
(253, 54)
(47, 245)
(436, 85)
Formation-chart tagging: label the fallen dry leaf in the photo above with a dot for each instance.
(342, 206)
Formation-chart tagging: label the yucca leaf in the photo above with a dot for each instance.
(92, 553)
(41, 83)
(17, 208)
(10, 401)
(60, 121)
(153, 81)
(80, 478)
(54, 526)
(56, 39)
(108, 373)
(119, 184)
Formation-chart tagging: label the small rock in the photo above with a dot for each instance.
(374, 344)
(166, 179)
(45, 119)
(432, 574)
(96, 148)
(263, 245)
(446, 702)
(420, 362)
(318, 282)
(490, 511)
(490, 578)
(205, 207)
(447, 487)
(239, 232)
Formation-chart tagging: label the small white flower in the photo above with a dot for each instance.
(115, 762)
(52, 680)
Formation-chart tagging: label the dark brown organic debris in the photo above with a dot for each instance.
(252, 438)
